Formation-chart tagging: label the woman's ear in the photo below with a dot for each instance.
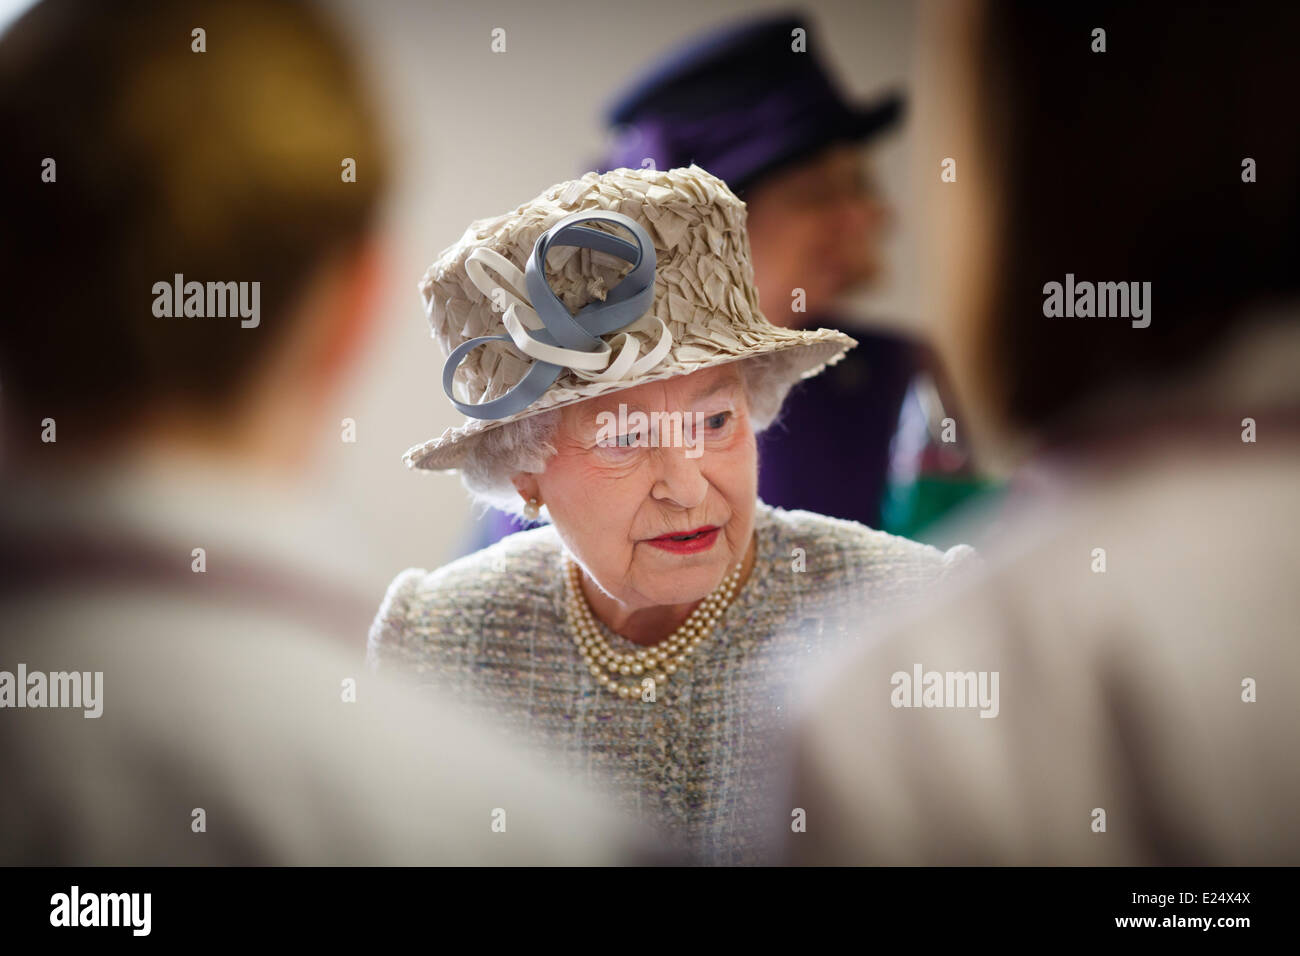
(525, 484)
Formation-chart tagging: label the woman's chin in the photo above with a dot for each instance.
(685, 585)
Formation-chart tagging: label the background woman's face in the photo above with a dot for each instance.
(817, 226)
(609, 501)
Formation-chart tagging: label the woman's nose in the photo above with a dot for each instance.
(679, 479)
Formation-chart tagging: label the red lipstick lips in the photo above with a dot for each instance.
(687, 542)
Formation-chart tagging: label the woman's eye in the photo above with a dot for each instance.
(718, 420)
(620, 444)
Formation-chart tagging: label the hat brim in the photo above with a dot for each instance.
(811, 352)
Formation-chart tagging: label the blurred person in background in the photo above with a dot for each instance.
(1141, 611)
(152, 525)
(753, 104)
(645, 638)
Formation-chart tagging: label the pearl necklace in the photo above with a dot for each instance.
(658, 662)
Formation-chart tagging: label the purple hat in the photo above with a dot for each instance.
(741, 102)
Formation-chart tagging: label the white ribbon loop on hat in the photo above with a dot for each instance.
(602, 365)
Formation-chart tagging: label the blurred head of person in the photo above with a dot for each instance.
(753, 104)
(816, 225)
(1150, 152)
(151, 146)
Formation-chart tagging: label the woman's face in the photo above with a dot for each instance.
(610, 499)
(819, 227)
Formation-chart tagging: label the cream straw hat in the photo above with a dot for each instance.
(600, 284)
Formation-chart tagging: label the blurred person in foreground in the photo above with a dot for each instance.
(753, 104)
(1141, 615)
(605, 344)
(178, 683)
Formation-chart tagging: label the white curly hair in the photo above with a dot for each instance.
(525, 445)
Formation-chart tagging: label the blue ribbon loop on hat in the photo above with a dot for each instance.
(629, 300)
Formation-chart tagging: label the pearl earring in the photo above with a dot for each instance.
(531, 509)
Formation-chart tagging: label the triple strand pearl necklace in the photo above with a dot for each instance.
(657, 663)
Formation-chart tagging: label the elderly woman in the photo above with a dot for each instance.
(614, 386)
